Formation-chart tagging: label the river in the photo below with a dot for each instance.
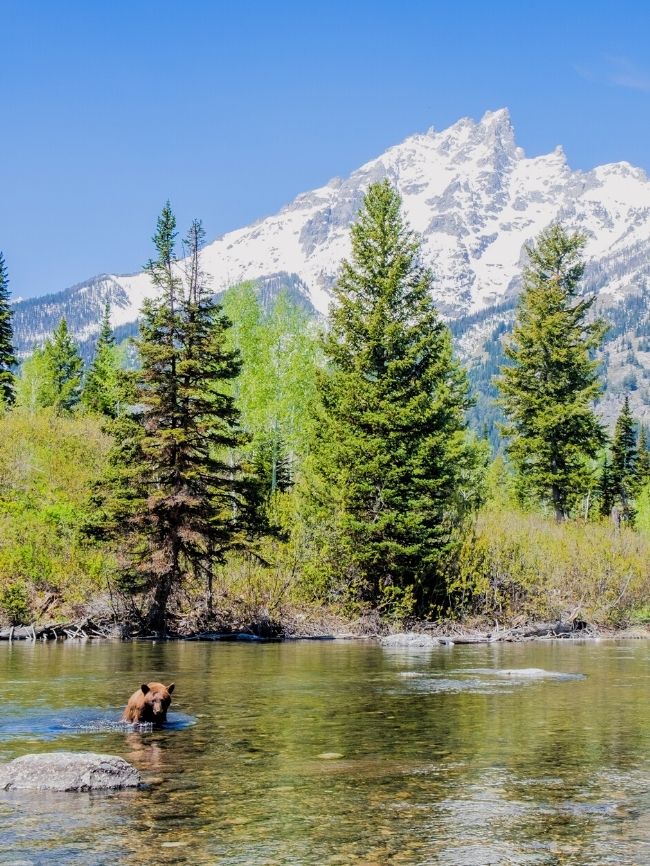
(338, 753)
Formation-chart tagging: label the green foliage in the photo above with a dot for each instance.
(500, 490)
(51, 377)
(624, 471)
(606, 491)
(176, 499)
(48, 461)
(104, 390)
(272, 463)
(643, 461)
(32, 383)
(392, 473)
(642, 508)
(277, 382)
(14, 602)
(548, 389)
(518, 564)
(7, 354)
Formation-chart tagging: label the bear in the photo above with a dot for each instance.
(149, 704)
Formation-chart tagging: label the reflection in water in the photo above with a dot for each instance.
(304, 754)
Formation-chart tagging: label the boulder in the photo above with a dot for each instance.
(68, 771)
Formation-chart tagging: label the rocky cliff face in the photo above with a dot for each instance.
(475, 198)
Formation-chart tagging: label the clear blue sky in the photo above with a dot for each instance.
(230, 109)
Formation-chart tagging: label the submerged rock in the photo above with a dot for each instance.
(535, 674)
(68, 771)
(409, 639)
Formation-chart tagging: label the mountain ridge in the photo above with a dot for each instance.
(470, 192)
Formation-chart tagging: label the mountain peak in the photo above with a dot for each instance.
(500, 117)
(471, 193)
(496, 127)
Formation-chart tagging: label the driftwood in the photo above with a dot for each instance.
(574, 628)
(232, 636)
(89, 629)
(53, 631)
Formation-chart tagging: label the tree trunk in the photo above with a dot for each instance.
(559, 505)
(157, 616)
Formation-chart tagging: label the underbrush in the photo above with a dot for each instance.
(524, 564)
(47, 464)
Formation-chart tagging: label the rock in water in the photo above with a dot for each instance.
(68, 771)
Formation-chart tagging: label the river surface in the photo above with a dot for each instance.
(337, 753)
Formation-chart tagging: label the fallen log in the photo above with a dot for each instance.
(231, 636)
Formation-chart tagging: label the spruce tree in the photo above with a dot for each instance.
(176, 501)
(63, 369)
(551, 382)
(643, 461)
(7, 355)
(606, 489)
(390, 458)
(103, 391)
(625, 461)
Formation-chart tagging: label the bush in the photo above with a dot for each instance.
(48, 463)
(516, 563)
(14, 603)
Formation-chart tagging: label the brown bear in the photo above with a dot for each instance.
(149, 704)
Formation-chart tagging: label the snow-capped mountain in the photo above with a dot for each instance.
(472, 194)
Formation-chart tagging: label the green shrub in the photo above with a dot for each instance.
(48, 463)
(14, 603)
(516, 563)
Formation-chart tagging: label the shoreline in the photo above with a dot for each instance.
(420, 635)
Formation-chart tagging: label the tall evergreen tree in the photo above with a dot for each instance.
(606, 489)
(625, 478)
(103, 390)
(643, 461)
(390, 458)
(60, 386)
(7, 355)
(177, 502)
(548, 389)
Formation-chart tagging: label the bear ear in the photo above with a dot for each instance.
(171, 687)
(145, 688)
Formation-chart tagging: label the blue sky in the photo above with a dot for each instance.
(231, 109)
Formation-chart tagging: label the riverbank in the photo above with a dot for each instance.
(327, 625)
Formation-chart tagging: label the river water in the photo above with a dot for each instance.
(338, 753)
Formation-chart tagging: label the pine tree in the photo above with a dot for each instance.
(7, 355)
(103, 391)
(548, 389)
(60, 386)
(177, 502)
(643, 461)
(390, 454)
(624, 461)
(606, 490)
